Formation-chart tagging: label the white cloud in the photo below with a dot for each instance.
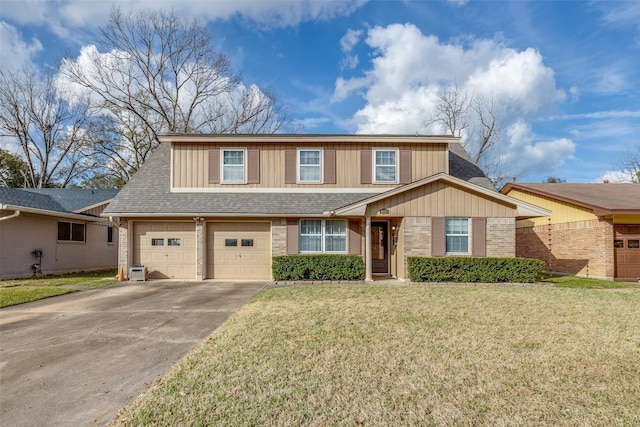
(408, 68)
(523, 154)
(15, 51)
(615, 176)
(63, 15)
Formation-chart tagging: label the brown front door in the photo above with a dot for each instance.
(627, 251)
(380, 247)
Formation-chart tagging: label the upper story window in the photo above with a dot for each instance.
(385, 164)
(233, 166)
(457, 235)
(71, 231)
(309, 166)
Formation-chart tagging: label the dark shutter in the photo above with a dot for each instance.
(329, 166)
(214, 165)
(405, 166)
(290, 167)
(437, 236)
(354, 237)
(479, 237)
(365, 166)
(253, 166)
(292, 236)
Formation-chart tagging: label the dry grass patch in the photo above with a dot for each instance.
(382, 355)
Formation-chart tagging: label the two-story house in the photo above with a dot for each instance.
(221, 206)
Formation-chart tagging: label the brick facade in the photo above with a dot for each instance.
(123, 249)
(583, 248)
(501, 237)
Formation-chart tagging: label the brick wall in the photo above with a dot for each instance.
(501, 237)
(583, 248)
(278, 236)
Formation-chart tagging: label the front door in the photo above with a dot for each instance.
(380, 247)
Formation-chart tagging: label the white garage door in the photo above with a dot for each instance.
(167, 249)
(239, 250)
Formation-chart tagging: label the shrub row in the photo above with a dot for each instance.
(487, 270)
(318, 267)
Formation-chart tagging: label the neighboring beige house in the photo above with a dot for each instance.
(221, 206)
(52, 231)
(593, 229)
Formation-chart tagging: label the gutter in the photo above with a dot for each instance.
(16, 213)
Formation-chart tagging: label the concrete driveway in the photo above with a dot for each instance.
(77, 359)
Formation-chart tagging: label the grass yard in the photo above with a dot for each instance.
(587, 283)
(19, 291)
(410, 355)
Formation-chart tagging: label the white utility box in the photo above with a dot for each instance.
(138, 273)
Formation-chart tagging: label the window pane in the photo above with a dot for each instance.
(64, 231)
(172, 241)
(633, 244)
(247, 242)
(310, 226)
(77, 232)
(457, 226)
(109, 234)
(386, 173)
(235, 157)
(618, 243)
(310, 243)
(336, 226)
(231, 242)
(458, 244)
(387, 158)
(233, 174)
(310, 157)
(309, 173)
(335, 243)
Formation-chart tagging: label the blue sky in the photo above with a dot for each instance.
(564, 75)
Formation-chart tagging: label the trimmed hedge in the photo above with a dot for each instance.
(463, 269)
(318, 267)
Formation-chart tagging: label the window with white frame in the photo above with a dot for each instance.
(309, 165)
(457, 235)
(318, 235)
(233, 166)
(385, 166)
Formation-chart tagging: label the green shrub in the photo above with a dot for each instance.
(318, 267)
(464, 269)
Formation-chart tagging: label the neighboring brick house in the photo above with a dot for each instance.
(62, 224)
(593, 229)
(221, 206)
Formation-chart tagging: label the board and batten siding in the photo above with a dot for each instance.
(561, 212)
(440, 199)
(190, 164)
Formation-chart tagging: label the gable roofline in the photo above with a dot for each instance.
(93, 206)
(597, 210)
(308, 138)
(524, 209)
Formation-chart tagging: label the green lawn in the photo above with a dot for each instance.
(19, 291)
(586, 283)
(410, 355)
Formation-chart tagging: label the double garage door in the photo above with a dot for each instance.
(233, 250)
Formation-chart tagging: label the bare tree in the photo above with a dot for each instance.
(475, 118)
(451, 110)
(159, 73)
(48, 128)
(629, 164)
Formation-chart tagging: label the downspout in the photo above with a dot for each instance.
(13, 215)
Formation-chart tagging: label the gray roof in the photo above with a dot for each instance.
(63, 200)
(148, 192)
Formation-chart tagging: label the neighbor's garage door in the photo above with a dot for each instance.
(239, 250)
(167, 249)
(627, 251)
